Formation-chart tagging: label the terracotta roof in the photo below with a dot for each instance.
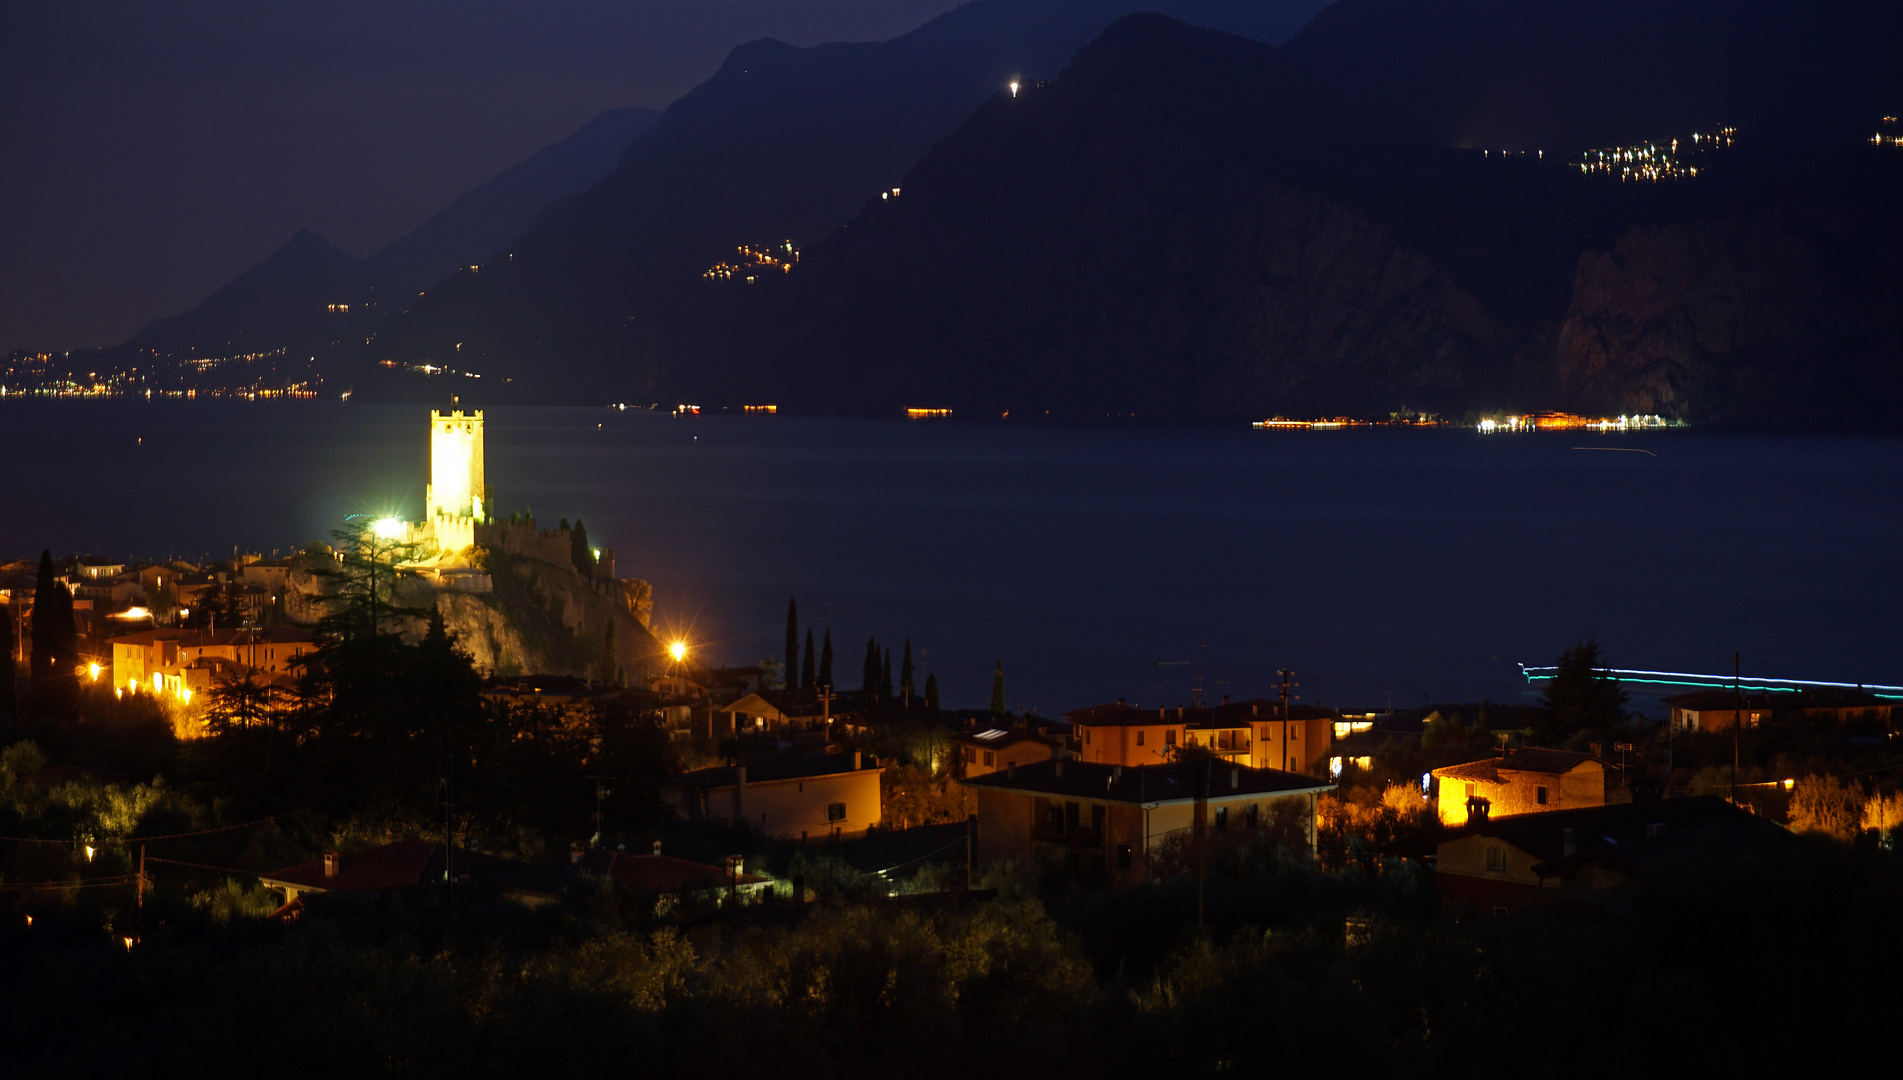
(1707, 700)
(1143, 784)
(1620, 830)
(1227, 715)
(404, 864)
(777, 767)
(660, 873)
(1531, 759)
(197, 639)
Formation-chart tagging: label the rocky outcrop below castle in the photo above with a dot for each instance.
(539, 617)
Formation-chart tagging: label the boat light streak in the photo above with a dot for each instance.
(1686, 678)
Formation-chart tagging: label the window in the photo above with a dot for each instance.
(1086, 736)
(1496, 857)
(1539, 795)
(1294, 734)
(1222, 819)
(990, 758)
(1251, 815)
(836, 811)
(1140, 734)
(1169, 736)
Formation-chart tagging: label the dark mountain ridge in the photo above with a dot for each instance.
(782, 143)
(308, 296)
(1187, 225)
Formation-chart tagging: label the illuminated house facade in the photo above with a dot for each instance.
(1526, 781)
(1125, 826)
(811, 796)
(1717, 710)
(184, 662)
(1248, 733)
(993, 749)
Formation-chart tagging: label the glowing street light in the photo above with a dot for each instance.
(1016, 81)
(388, 528)
(678, 650)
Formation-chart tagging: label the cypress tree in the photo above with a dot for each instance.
(793, 641)
(931, 691)
(579, 551)
(906, 672)
(9, 684)
(869, 670)
(885, 675)
(40, 662)
(997, 689)
(825, 677)
(806, 665)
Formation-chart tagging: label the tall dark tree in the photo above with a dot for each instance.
(1579, 698)
(997, 689)
(825, 676)
(40, 659)
(9, 676)
(55, 661)
(806, 665)
(608, 667)
(885, 674)
(793, 638)
(905, 672)
(869, 668)
(931, 692)
(360, 587)
(579, 552)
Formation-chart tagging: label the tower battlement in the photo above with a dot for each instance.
(456, 482)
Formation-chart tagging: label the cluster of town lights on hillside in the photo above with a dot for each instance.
(1557, 421)
(752, 262)
(1887, 134)
(1652, 162)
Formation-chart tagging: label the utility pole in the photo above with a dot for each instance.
(602, 791)
(1286, 687)
(141, 903)
(1737, 718)
(826, 707)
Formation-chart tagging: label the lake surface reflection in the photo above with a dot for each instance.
(1381, 565)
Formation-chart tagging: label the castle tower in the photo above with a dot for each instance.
(453, 501)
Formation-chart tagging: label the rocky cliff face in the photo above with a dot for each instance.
(1789, 314)
(540, 618)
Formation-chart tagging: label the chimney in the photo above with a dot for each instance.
(1255, 710)
(1011, 770)
(657, 847)
(1119, 702)
(856, 766)
(332, 863)
(1161, 712)
(1060, 768)
(1235, 779)
(1225, 699)
(1568, 847)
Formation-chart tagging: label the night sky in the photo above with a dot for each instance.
(153, 151)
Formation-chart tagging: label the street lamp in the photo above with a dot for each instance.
(677, 650)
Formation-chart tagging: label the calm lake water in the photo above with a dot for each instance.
(1382, 566)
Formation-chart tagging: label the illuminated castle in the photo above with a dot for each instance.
(452, 503)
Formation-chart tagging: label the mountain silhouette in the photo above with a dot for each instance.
(781, 144)
(1186, 225)
(308, 296)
